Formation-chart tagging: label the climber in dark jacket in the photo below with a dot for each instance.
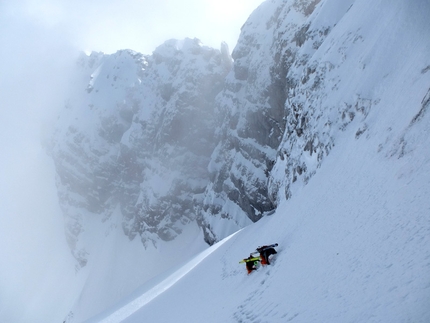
(265, 252)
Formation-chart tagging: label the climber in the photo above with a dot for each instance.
(250, 262)
(265, 253)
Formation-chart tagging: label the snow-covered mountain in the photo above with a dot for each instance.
(136, 138)
(316, 128)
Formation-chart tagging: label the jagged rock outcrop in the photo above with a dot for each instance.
(87, 138)
(169, 145)
(135, 138)
(253, 117)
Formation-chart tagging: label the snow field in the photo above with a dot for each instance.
(353, 247)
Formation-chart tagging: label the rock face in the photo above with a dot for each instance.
(164, 154)
(192, 134)
(252, 117)
(136, 136)
(87, 139)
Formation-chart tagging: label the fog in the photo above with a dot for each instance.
(140, 25)
(39, 42)
(33, 252)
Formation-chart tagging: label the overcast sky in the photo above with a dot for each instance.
(141, 25)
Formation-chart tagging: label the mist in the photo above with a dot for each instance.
(108, 26)
(35, 63)
(40, 41)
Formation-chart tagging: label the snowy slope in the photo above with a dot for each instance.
(353, 247)
(117, 265)
(351, 184)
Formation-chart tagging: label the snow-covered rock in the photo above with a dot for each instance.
(349, 61)
(86, 142)
(252, 117)
(138, 134)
